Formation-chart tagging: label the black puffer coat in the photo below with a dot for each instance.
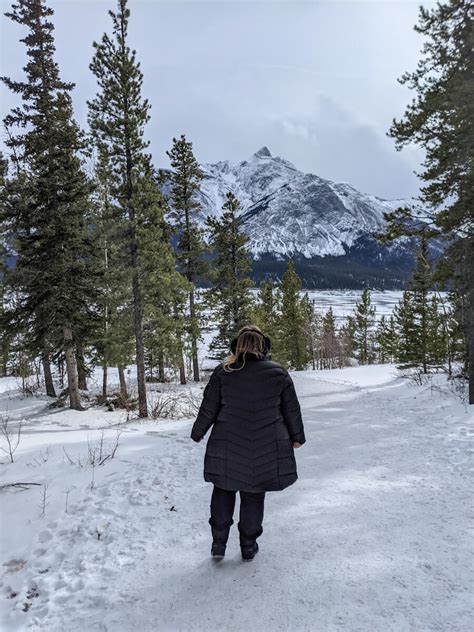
(256, 418)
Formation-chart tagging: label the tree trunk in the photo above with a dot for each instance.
(104, 380)
(470, 336)
(81, 368)
(48, 378)
(194, 349)
(139, 347)
(161, 367)
(74, 400)
(123, 383)
(61, 371)
(182, 371)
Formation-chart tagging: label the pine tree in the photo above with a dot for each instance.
(312, 326)
(4, 336)
(266, 313)
(420, 285)
(439, 120)
(292, 334)
(117, 118)
(387, 339)
(185, 178)
(164, 290)
(114, 339)
(230, 296)
(405, 321)
(48, 215)
(437, 334)
(364, 328)
(458, 313)
(347, 339)
(329, 341)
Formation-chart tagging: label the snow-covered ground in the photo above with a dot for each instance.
(373, 537)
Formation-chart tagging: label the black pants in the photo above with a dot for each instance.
(250, 519)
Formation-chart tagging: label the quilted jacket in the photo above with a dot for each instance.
(255, 418)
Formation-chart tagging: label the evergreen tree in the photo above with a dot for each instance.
(292, 333)
(48, 215)
(364, 328)
(387, 339)
(458, 313)
(347, 339)
(420, 286)
(4, 336)
(165, 290)
(405, 321)
(114, 339)
(266, 313)
(437, 334)
(186, 177)
(312, 327)
(329, 341)
(117, 118)
(440, 121)
(230, 296)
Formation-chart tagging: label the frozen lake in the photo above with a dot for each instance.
(343, 302)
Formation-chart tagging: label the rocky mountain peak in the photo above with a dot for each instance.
(264, 152)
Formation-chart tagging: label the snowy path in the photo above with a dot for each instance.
(373, 537)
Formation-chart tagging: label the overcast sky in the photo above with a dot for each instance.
(314, 81)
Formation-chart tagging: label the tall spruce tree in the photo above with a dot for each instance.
(420, 285)
(364, 328)
(186, 177)
(117, 119)
(292, 333)
(48, 216)
(114, 340)
(164, 290)
(347, 339)
(330, 348)
(405, 320)
(386, 339)
(440, 121)
(230, 295)
(437, 346)
(311, 326)
(266, 312)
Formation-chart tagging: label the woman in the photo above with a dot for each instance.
(251, 403)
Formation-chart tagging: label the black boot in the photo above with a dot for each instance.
(220, 535)
(248, 552)
(218, 550)
(248, 545)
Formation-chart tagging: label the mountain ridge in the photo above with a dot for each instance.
(323, 225)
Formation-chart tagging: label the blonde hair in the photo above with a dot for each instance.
(250, 339)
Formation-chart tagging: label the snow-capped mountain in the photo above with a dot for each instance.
(327, 227)
(287, 212)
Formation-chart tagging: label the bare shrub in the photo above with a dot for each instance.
(175, 404)
(165, 406)
(44, 499)
(100, 452)
(42, 458)
(9, 436)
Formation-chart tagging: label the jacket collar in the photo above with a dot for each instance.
(253, 357)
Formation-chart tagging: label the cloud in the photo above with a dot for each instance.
(334, 144)
(313, 81)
